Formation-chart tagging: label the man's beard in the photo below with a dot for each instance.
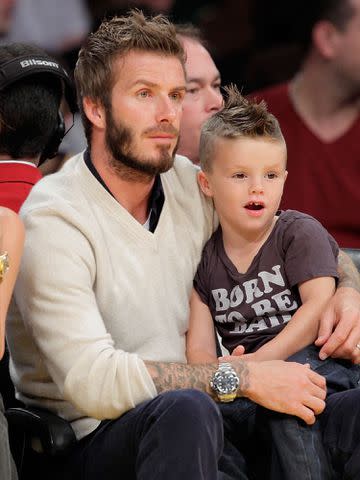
(120, 143)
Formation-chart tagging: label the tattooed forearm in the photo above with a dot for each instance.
(348, 273)
(175, 376)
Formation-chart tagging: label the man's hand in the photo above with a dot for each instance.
(287, 387)
(339, 331)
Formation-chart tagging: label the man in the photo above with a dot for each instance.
(31, 89)
(203, 96)
(319, 114)
(94, 340)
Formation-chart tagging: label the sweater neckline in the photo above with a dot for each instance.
(113, 207)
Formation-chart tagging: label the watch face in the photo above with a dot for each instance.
(225, 382)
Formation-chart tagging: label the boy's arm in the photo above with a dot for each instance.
(302, 329)
(200, 337)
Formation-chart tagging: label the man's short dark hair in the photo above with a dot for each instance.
(28, 107)
(337, 12)
(114, 39)
(191, 31)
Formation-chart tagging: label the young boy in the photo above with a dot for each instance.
(265, 275)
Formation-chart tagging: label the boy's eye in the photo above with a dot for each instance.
(271, 175)
(239, 175)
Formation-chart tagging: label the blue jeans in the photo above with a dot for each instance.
(340, 374)
(283, 446)
(341, 433)
(298, 451)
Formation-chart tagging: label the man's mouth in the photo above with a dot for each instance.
(162, 135)
(254, 206)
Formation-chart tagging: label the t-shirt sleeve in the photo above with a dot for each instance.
(202, 277)
(310, 251)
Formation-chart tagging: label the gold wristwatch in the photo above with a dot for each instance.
(4, 265)
(225, 382)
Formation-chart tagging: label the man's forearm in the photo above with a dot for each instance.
(175, 376)
(285, 387)
(348, 273)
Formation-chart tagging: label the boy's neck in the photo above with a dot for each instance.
(242, 247)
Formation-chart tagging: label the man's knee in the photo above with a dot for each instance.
(190, 401)
(190, 407)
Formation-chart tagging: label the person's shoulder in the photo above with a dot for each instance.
(184, 172)
(184, 166)
(210, 251)
(294, 219)
(301, 226)
(55, 188)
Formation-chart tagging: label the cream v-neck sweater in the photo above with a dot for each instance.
(98, 293)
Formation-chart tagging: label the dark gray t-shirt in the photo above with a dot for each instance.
(251, 308)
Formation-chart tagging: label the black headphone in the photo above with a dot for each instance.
(27, 65)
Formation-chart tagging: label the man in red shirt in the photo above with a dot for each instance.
(31, 127)
(318, 111)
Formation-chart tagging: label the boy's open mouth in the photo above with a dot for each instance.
(254, 206)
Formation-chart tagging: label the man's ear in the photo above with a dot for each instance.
(204, 183)
(326, 38)
(95, 112)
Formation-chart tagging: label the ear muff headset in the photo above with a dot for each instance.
(26, 65)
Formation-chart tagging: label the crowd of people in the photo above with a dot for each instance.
(189, 187)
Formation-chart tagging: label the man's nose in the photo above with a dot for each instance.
(167, 110)
(214, 100)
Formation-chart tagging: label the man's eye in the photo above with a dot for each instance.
(177, 96)
(143, 94)
(217, 86)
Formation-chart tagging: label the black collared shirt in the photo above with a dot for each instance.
(156, 200)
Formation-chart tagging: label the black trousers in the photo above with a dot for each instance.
(178, 435)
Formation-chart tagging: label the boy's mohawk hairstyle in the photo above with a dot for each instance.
(245, 116)
(240, 117)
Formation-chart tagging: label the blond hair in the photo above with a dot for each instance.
(240, 117)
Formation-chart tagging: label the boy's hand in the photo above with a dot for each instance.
(239, 351)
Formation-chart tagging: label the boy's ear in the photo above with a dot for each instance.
(286, 174)
(204, 183)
